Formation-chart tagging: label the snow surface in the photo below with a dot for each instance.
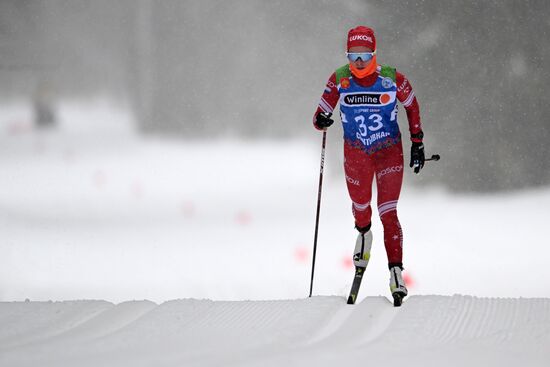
(92, 210)
(321, 331)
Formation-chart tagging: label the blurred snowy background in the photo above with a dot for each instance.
(164, 149)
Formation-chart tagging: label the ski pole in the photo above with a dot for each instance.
(434, 157)
(318, 208)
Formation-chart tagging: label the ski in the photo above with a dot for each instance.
(356, 284)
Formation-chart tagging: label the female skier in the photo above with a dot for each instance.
(368, 93)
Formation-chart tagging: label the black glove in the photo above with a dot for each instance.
(323, 120)
(417, 156)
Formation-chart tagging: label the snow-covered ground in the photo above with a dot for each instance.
(321, 331)
(92, 210)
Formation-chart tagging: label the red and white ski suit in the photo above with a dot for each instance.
(384, 164)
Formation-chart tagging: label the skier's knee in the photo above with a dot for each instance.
(363, 229)
(389, 217)
(388, 210)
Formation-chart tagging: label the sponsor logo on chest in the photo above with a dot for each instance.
(367, 99)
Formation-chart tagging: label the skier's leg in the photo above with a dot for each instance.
(359, 172)
(389, 178)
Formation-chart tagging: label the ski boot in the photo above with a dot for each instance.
(363, 244)
(361, 256)
(397, 285)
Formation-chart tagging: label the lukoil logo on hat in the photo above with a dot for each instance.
(361, 36)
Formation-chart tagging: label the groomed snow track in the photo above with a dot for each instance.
(321, 331)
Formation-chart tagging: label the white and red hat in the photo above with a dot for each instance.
(361, 36)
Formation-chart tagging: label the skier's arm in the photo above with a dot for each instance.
(405, 95)
(328, 100)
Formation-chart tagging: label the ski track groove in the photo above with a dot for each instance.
(495, 319)
(515, 318)
(538, 328)
(462, 325)
(469, 319)
(90, 327)
(68, 320)
(354, 326)
(544, 332)
(438, 330)
(492, 321)
(228, 316)
(260, 320)
(454, 320)
(332, 326)
(263, 325)
(249, 315)
(508, 322)
(486, 318)
(475, 318)
(108, 327)
(547, 321)
(452, 305)
(383, 323)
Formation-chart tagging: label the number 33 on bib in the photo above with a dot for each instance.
(369, 118)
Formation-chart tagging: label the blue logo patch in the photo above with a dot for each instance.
(387, 83)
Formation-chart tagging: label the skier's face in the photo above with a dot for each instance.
(359, 63)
